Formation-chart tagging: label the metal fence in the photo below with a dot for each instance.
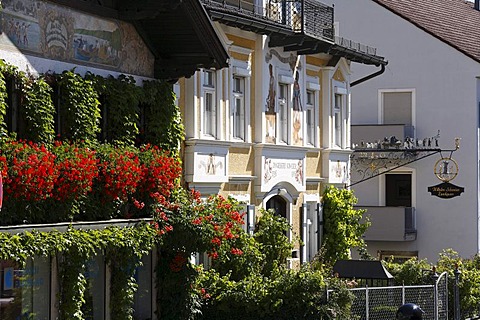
(380, 303)
(311, 17)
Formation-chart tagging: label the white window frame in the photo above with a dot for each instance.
(238, 109)
(209, 122)
(283, 109)
(383, 184)
(311, 106)
(284, 106)
(381, 93)
(339, 115)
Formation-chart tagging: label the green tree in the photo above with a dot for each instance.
(344, 227)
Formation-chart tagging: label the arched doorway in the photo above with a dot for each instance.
(279, 205)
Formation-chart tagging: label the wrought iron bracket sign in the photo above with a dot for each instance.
(370, 160)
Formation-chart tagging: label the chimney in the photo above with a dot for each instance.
(477, 4)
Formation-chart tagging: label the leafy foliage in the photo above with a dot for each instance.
(73, 248)
(343, 227)
(80, 111)
(120, 98)
(163, 121)
(38, 111)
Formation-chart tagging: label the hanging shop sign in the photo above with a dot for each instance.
(446, 169)
(445, 190)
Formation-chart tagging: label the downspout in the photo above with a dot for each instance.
(373, 75)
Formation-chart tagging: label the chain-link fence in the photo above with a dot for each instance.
(381, 303)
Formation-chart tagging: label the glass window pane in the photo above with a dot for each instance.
(143, 296)
(25, 293)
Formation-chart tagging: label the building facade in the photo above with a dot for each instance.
(273, 129)
(429, 91)
(107, 38)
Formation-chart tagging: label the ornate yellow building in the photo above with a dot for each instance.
(272, 129)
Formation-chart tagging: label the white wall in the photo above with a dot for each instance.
(446, 100)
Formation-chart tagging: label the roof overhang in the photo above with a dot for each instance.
(179, 33)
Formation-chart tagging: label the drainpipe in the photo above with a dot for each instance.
(373, 75)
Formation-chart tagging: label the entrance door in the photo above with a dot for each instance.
(398, 190)
(279, 205)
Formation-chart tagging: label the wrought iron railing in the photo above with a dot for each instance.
(310, 17)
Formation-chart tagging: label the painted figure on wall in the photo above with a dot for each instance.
(270, 105)
(270, 114)
(297, 112)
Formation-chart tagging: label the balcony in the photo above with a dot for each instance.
(301, 26)
(363, 134)
(307, 17)
(390, 223)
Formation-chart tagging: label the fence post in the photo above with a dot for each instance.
(366, 303)
(435, 293)
(456, 289)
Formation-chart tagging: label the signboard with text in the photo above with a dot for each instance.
(446, 190)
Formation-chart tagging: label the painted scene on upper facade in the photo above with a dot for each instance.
(57, 32)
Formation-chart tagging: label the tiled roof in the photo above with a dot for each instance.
(456, 22)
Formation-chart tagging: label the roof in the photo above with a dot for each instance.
(455, 22)
(361, 269)
(179, 34)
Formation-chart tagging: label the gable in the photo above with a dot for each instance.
(454, 22)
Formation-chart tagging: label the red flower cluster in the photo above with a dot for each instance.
(219, 215)
(121, 174)
(159, 171)
(31, 171)
(77, 168)
(67, 171)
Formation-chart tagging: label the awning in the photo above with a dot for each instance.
(361, 269)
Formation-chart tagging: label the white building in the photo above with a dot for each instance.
(431, 83)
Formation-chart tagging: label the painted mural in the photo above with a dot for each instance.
(297, 113)
(56, 32)
(295, 105)
(270, 110)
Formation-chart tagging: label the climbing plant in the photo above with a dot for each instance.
(73, 249)
(79, 111)
(163, 121)
(343, 225)
(38, 110)
(120, 98)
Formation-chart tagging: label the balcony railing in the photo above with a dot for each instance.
(309, 17)
(390, 223)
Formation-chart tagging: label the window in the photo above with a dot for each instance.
(239, 108)
(25, 292)
(14, 119)
(397, 107)
(337, 120)
(283, 113)
(310, 117)
(398, 190)
(397, 256)
(209, 104)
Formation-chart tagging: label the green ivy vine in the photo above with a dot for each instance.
(38, 110)
(4, 68)
(343, 225)
(120, 99)
(163, 120)
(124, 246)
(80, 107)
(84, 100)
